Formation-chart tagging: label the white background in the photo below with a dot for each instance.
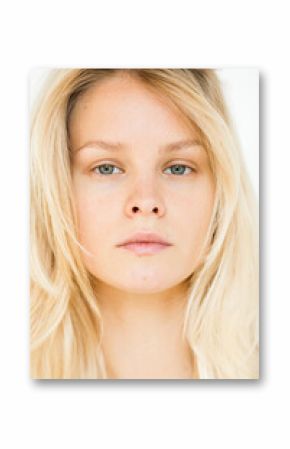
(169, 414)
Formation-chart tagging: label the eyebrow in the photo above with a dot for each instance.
(117, 146)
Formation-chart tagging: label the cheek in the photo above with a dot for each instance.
(95, 213)
(196, 208)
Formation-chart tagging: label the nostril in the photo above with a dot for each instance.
(136, 208)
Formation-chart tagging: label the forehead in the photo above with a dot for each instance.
(124, 108)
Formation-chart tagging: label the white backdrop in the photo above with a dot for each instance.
(170, 414)
(241, 89)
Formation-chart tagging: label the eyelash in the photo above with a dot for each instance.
(112, 165)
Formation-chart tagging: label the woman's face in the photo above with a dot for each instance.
(132, 174)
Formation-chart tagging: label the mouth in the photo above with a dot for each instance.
(145, 248)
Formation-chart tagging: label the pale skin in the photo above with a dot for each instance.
(141, 297)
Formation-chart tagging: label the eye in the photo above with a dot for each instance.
(179, 169)
(104, 169)
(108, 169)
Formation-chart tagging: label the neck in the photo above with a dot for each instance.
(143, 333)
(134, 308)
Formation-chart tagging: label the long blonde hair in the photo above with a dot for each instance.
(221, 318)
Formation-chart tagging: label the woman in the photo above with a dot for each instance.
(143, 230)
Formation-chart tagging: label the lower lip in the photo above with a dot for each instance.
(145, 248)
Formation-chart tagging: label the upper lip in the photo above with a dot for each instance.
(147, 237)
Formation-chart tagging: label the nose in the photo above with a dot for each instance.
(144, 201)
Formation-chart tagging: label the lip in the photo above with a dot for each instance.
(145, 237)
(144, 248)
(145, 244)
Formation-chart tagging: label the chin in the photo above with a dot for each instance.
(139, 289)
(147, 283)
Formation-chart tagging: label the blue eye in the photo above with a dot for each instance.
(107, 169)
(179, 169)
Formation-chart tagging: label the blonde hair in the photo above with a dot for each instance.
(221, 317)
